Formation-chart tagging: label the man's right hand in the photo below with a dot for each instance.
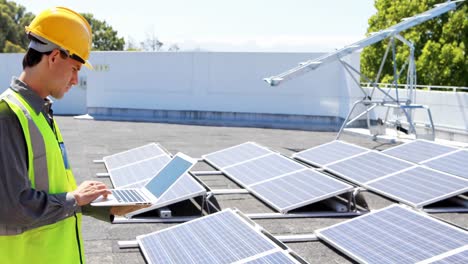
(88, 191)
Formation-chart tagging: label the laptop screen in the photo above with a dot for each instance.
(168, 176)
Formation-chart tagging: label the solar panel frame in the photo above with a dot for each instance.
(333, 167)
(419, 150)
(386, 244)
(265, 195)
(213, 160)
(275, 257)
(328, 147)
(203, 235)
(456, 256)
(452, 163)
(421, 186)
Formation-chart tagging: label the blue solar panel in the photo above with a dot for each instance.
(223, 237)
(133, 155)
(394, 235)
(261, 169)
(235, 154)
(328, 153)
(367, 167)
(279, 257)
(186, 187)
(456, 258)
(418, 151)
(298, 189)
(131, 174)
(419, 186)
(453, 163)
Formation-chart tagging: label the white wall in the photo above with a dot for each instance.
(225, 82)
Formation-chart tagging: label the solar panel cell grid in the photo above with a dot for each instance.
(186, 186)
(261, 169)
(367, 167)
(458, 258)
(219, 238)
(394, 235)
(418, 151)
(454, 163)
(294, 190)
(236, 154)
(138, 171)
(420, 186)
(329, 152)
(132, 155)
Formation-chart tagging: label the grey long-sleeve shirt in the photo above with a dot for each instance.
(21, 206)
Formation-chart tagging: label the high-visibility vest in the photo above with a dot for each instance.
(48, 170)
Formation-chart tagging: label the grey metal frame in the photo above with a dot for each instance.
(405, 106)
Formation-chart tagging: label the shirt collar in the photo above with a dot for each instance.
(35, 101)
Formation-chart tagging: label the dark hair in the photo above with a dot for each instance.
(32, 58)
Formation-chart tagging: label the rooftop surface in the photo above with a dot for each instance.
(89, 140)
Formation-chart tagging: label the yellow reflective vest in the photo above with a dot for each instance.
(60, 242)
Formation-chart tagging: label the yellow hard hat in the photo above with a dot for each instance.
(66, 29)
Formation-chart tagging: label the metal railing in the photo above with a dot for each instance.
(421, 87)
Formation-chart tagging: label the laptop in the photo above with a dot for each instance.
(154, 189)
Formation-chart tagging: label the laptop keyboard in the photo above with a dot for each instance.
(128, 196)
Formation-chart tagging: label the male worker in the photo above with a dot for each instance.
(40, 218)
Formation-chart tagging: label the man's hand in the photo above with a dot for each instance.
(123, 210)
(88, 191)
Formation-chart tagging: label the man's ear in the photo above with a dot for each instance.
(53, 57)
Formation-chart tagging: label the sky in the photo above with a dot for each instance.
(230, 25)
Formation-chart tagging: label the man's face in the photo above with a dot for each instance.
(65, 71)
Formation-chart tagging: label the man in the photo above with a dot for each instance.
(40, 218)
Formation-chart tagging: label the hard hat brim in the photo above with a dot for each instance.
(88, 65)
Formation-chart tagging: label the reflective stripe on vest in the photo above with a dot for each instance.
(41, 175)
(41, 179)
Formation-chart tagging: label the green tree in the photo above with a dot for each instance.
(13, 19)
(441, 44)
(104, 36)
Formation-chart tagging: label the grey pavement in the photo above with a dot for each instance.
(89, 140)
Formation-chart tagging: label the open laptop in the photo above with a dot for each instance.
(154, 189)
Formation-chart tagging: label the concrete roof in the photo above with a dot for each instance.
(88, 140)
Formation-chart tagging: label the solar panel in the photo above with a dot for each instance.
(453, 163)
(419, 186)
(260, 169)
(280, 257)
(328, 152)
(236, 154)
(418, 151)
(223, 237)
(185, 188)
(456, 258)
(133, 155)
(298, 189)
(130, 174)
(367, 167)
(394, 235)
